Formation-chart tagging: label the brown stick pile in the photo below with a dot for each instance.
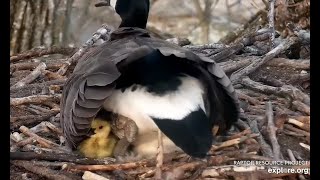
(274, 124)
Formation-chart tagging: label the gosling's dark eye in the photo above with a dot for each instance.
(100, 127)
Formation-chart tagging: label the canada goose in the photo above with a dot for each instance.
(155, 83)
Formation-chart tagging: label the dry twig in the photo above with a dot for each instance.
(306, 146)
(272, 132)
(102, 33)
(62, 157)
(38, 52)
(271, 21)
(301, 107)
(31, 77)
(296, 130)
(301, 125)
(232, 142)
(265, 147)
(87, 175)
(32, 65)
(30, 119)
(110, 167)
(284, 91)
(36, 99)
(292, 158)
(43, 171)
(38, 85)
(158, 172)
(43, 142)
(289, 63)
(236, 76)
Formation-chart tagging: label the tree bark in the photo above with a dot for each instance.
(38, 23)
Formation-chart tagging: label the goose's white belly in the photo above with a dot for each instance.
(139, 105)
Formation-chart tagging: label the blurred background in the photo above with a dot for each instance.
(35, 23)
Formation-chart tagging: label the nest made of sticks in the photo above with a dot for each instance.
(272, 84)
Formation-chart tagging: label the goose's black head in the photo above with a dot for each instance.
(133, 13)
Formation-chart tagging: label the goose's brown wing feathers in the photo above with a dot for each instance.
(94, 78)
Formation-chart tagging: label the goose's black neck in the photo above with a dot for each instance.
(134, 13)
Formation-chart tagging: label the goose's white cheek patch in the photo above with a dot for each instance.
(113, 3)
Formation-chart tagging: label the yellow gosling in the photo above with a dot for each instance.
(100, 144)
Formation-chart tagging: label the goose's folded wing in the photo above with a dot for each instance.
(94, 79)
(90, 85)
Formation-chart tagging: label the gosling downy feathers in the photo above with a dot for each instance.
(101, 143)
(153, 82)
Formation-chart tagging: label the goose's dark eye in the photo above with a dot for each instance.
(100, 127)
